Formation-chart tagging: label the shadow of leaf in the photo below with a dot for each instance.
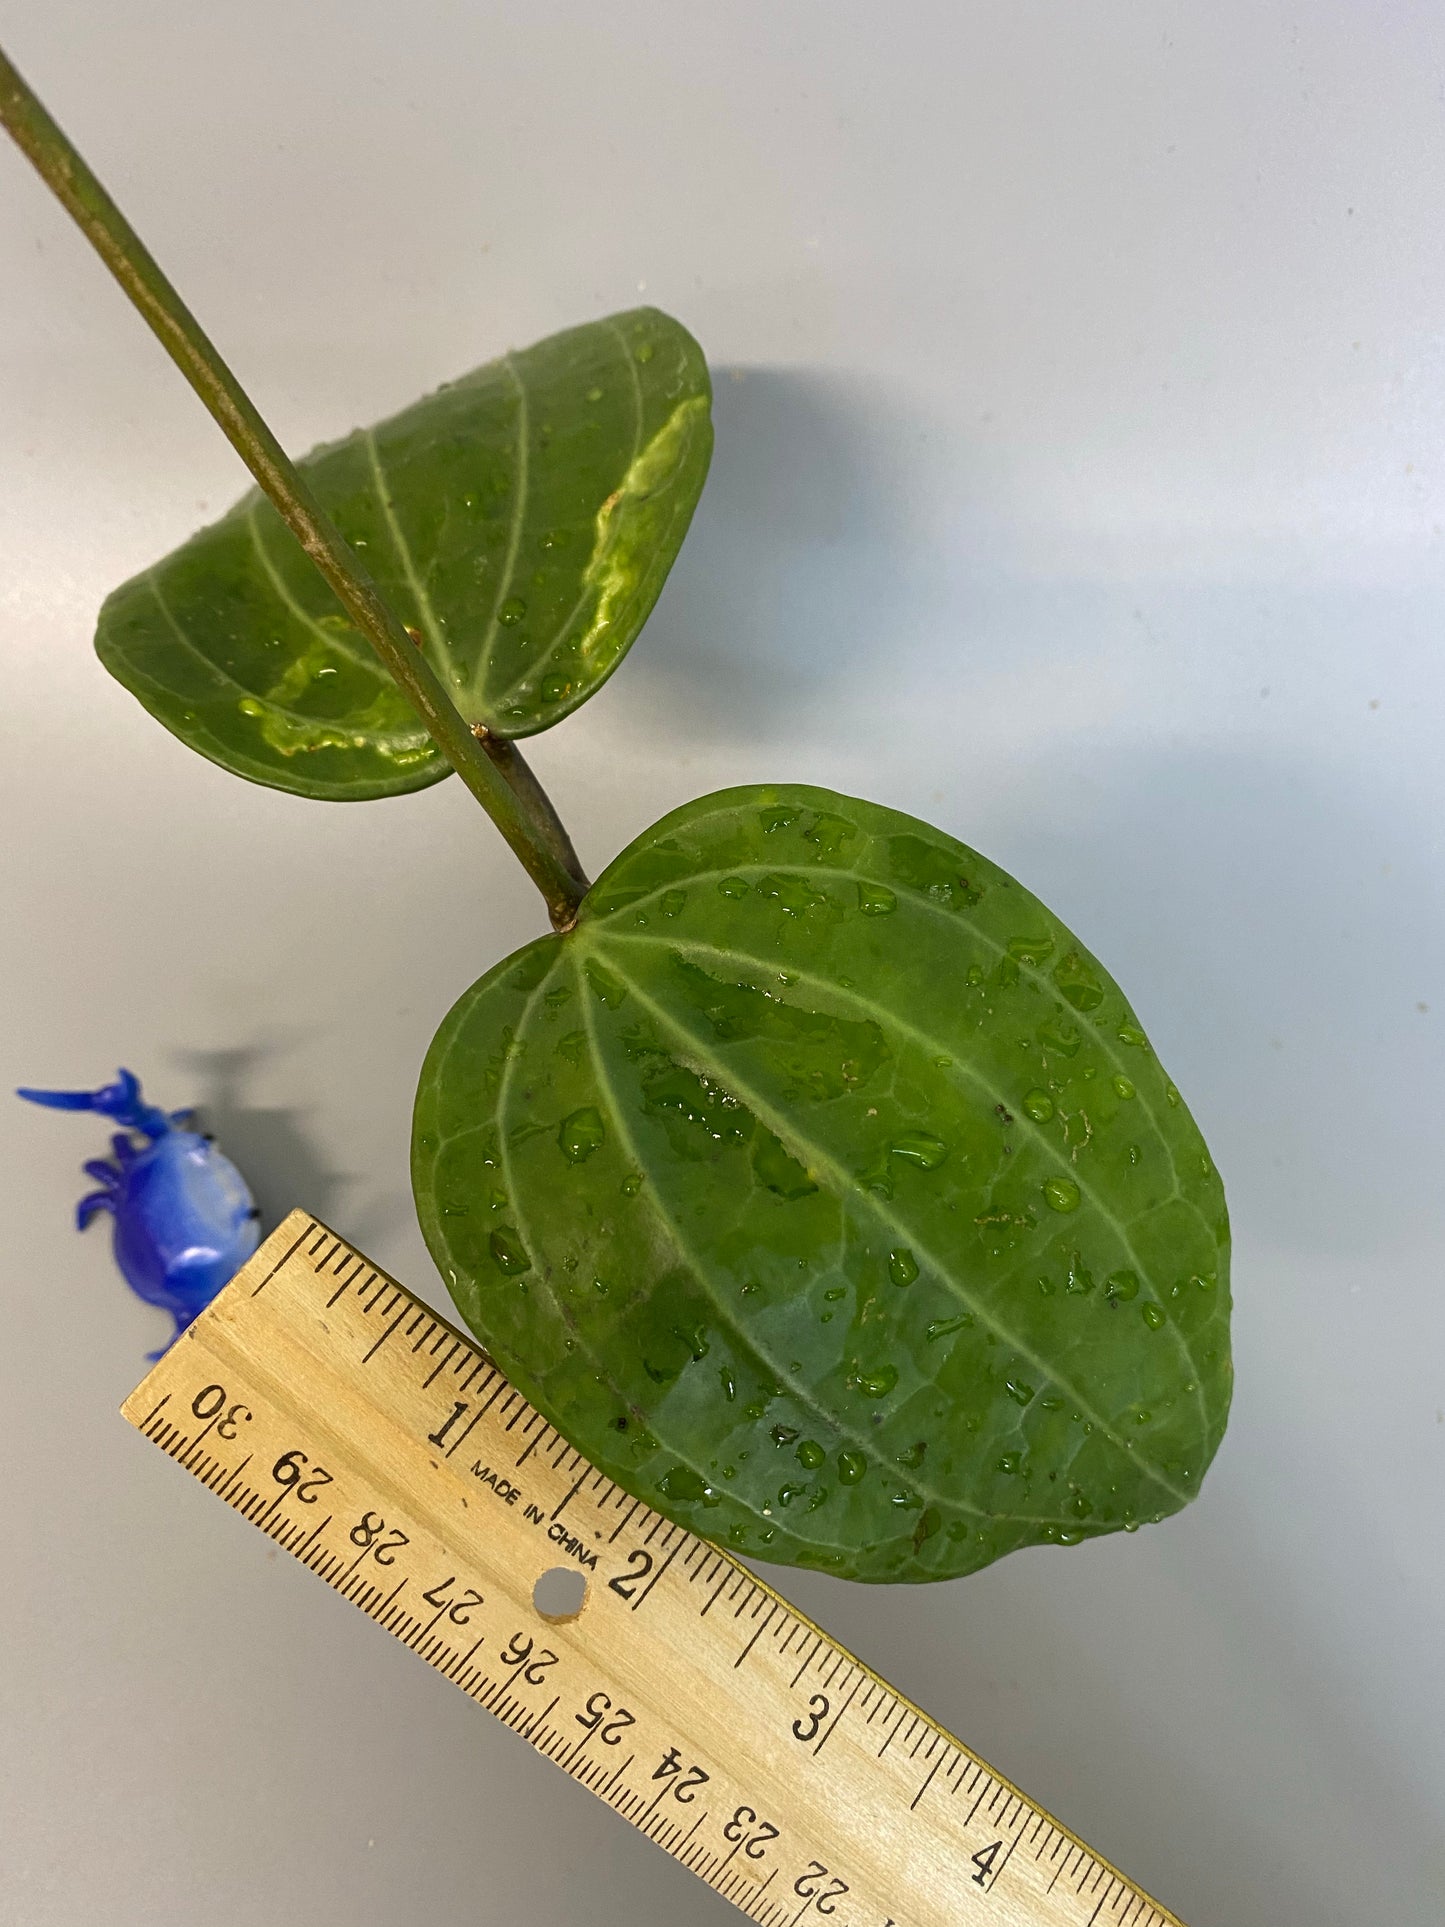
(786, 581)
(271, 1147)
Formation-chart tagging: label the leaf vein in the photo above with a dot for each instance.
(520, 475)
(524, 1222)
(536, 668)
(966, 1071)
(404, 555)
(745, 1339)
(926, 904)
(819, 1160)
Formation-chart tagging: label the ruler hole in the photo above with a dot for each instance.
(560, 1594)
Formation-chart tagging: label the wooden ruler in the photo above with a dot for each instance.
(367, 1436)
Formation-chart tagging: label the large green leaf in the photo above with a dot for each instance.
(521, 521)
(823, 1189)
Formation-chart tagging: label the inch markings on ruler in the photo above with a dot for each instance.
(365, 1435)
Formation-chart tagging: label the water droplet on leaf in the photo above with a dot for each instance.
(509, 1254)
(1031, 950)
(875, 901)
(874, 1382)
(831, 833)
(943, 1327)
(580, 1134)
(607, 989)
(793, 894)
(684, 1484)
(919, 1147)
(902, 1266)
(1061, 1194)
(1077, 982)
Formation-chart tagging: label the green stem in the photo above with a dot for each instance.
(505, 787)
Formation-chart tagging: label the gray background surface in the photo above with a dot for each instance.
(1079, 486)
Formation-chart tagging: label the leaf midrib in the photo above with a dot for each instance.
(365, 661)
(818, 1159)
(925, 903)
(524, 1226)
(537, 667)
(747, 1340)
(404, 556)
(941, 1046)
(520, 479)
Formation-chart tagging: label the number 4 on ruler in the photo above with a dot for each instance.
(377, 1444)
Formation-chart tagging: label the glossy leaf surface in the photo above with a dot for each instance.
(823, 1189)
(520, 521)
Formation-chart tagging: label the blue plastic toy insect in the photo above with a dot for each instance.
(185, 1221)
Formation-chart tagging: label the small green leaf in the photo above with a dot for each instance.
(520, 521)
(819, 1128)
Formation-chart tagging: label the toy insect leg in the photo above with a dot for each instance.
(90, 1204)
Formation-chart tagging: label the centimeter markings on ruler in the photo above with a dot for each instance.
(367, 1436)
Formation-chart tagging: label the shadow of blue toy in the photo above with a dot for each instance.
(185, 1221)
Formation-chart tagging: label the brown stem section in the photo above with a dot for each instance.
(523, 779)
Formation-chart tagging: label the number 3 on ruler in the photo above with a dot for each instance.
(809, 1729)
